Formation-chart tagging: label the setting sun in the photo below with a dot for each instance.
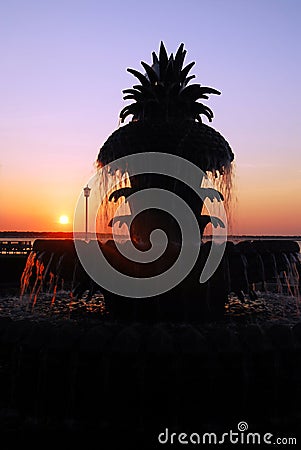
(64, 220)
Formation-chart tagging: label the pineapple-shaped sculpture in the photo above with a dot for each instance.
(167, 117)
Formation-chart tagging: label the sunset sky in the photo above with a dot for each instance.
(63, 69)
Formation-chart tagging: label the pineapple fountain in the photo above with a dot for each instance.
(164, 148)
(130, 384)
(193, 161)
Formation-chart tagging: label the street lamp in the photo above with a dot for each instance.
(87, 194)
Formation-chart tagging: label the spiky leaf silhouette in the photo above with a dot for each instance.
(166, 82)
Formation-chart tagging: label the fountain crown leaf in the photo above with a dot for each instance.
(164, 93)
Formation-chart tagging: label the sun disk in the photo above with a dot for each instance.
(64, 220)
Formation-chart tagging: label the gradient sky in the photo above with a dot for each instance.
(63, 68)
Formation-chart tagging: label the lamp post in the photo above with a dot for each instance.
(87, 194)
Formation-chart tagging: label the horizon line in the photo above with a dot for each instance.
(14, 232)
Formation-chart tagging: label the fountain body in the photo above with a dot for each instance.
(166, 118)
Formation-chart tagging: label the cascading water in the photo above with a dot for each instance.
(51, 284)
(225, 183)
(106, 183)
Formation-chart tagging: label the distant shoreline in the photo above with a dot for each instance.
(69, 235)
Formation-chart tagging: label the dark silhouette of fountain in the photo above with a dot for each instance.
(123, 383)
(167, 118)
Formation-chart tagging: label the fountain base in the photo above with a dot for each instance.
(188, 301)
(245, 269)
(123, 381)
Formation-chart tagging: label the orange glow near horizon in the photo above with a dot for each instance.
(268, 203)
(264, 206)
